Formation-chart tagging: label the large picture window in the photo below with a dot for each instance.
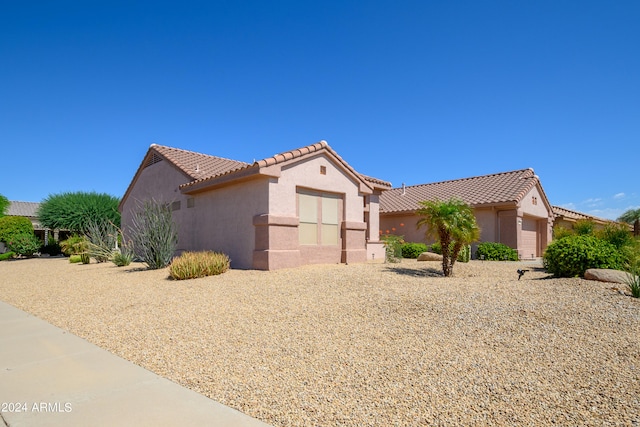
(319, 215)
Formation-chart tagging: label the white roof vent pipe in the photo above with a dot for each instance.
(404, 189)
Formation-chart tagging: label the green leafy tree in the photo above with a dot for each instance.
(632, 216)
(75, 211)
(4, 205)
(453, 224)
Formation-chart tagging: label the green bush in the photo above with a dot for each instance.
(492, 251)
(73, 259)
(412, 250)
(392, 247)
(85, 258)
(191, 265)
(463, 256)
(10, 225)
(6, 255)
(571, 256)
(24, 244)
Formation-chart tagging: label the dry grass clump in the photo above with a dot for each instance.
(191, 265)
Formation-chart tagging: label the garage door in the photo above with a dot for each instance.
(529, 247)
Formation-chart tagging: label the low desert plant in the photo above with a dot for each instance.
(191, 265)
(6, 255)
(392, 247)
(85, 258)
(633, 281)
(413, 250)
(493, 251)
(122, 257)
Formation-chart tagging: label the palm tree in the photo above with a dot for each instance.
(632, 216)
(452, 221)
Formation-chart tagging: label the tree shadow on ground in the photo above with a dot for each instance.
(414, 272)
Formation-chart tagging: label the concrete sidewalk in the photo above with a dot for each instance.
(49, 377)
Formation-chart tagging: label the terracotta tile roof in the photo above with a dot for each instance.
(246, 168)
(499, 188)
(28, 209)
(196, 165)
(559, 212)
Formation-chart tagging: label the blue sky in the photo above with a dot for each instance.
(407, 91)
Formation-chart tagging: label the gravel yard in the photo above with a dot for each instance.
(361, 344)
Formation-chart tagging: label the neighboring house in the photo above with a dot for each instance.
(567, 218)
(510, 208)
(30, 210)
(299, 207)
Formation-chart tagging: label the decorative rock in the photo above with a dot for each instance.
(429, 256)
(605, 275)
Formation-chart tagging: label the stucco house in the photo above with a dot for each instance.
(299, 207)
(510, 208)
(566, 218)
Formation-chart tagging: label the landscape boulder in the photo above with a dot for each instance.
(605, 275)
(429, 256)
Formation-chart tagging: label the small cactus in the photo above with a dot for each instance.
(85, 258)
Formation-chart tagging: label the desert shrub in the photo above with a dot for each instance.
(191, 265)
(6, 255)
(10, 225)
(85, 258)
(571, 256)
(101, 240)
(633, 278)
(73, 259)
(24, 244)
(153, 234)
(412, 250)
(463, 256)
(52, 248)
(122, 257)
(584, 227)
(493, 251)
(560, 232)
(617, 234)
(74, 245)
(392, 247)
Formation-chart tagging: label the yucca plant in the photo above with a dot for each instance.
(191, 265)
